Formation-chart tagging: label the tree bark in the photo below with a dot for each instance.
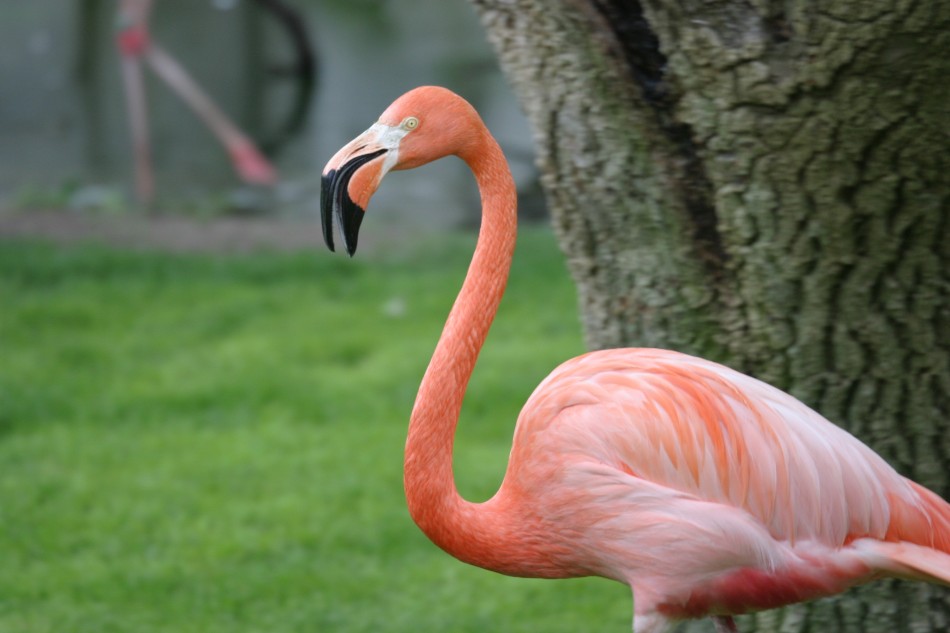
(762, 183)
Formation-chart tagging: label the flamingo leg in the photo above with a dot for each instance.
(132, 40)
(248, 161)
(138, 120)
(135, 44)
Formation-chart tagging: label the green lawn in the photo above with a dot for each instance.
(214, 444)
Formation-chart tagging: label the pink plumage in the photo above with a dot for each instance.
(711, 492)
(707, 491)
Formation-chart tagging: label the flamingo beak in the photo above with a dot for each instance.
(349, 181)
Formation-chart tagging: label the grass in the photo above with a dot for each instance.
(214, 444)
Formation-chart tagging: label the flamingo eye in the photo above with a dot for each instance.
(410, 123)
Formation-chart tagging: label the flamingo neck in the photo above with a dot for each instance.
(472, 532)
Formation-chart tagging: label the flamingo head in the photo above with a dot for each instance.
(423, 125)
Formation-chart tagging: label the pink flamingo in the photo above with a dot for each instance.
(134, 44)
(706, 491)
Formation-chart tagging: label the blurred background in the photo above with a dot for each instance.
(202, 410)
(64, 125)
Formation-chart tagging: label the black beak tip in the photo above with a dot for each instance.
(350, 219)
(335, 201)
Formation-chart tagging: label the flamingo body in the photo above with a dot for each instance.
(707, 491)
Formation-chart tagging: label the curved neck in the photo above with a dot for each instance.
(467, 531)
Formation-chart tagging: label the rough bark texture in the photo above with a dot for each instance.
(764, 183)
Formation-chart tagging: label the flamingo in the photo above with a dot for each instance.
(135, 43)
(708, 492)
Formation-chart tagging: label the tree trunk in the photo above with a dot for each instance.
(765, 184)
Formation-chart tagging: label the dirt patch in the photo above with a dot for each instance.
(167, 233)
